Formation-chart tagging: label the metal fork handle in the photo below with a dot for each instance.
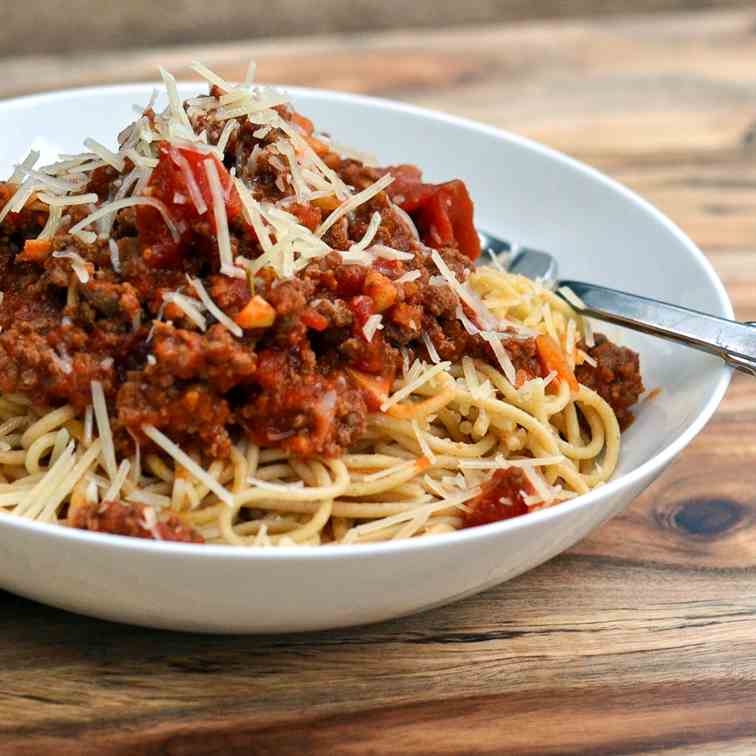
(731, 340)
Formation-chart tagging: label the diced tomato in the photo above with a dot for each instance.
(196, 162)
(389, 268)
(168, 183)
(362, 307)
(433, 222)
(308, 215)
(407, 188)
(443, 213)
(501, 498)
(460, 209)
(350, 280)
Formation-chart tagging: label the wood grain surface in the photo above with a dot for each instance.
(94, 25)
(641, 639)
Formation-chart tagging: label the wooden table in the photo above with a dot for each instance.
(641, 639)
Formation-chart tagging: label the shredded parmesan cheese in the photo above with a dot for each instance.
(28, 162)
(432, 353)
(115, 206)
(467, 324)
(221, 221)
(499, 462)
(501, 356)
(422, 379)
(188, 306)
(225, 135)
(254, 215)
(186, 461)
(111, 158)
(103, 429)
(56, 201)
(408, 277)
(277, 487)
(421, 440)
(354, 202)
(470, 299)
(388, 253)
(372, 324)
(115, 487)
(177, 109)
(88, 425)
(77, 263)
(373, 226)
(191, 181)
(115, 259)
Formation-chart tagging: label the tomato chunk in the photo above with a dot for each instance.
(170, 184)
(443, 213)
(502, 497)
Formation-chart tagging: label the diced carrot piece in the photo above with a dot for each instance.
(552, 358)
(308, 215)
(376, 387)
(380, 289)
(257, 313)
(35, 250)
(327, 203)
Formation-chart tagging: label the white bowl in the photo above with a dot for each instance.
(600, 231)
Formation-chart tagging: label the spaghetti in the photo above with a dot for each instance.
(229, 331)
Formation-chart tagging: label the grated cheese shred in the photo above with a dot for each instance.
(353, 202)
(186, 461)
(221, 221)
(103, 429)
(372, 324)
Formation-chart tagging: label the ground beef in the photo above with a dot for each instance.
(30, 365)
(112, 300)
(130, 520)
(439, 301)
(312, 415)
(616, 377)
(295, 376)
(214, 357)
(190, 412)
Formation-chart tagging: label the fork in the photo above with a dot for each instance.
(733, 341)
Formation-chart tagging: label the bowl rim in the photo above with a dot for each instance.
(655, 464)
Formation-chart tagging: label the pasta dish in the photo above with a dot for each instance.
(227, 328)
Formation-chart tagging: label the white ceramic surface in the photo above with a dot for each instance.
(600, 231)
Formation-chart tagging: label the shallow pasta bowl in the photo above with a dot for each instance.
(525, 192)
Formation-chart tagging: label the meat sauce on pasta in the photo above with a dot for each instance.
(231, 330)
